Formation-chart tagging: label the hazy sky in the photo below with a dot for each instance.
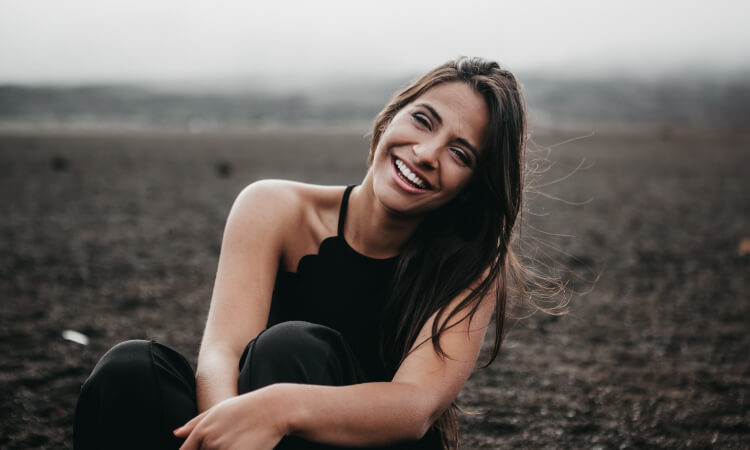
(107, 40)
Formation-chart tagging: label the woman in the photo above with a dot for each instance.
(356, 314)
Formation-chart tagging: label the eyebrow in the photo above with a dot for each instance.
(460, 140)
(432, 111)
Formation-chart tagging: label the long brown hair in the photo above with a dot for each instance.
(465, 244)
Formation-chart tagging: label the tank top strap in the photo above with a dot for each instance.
(342, 210)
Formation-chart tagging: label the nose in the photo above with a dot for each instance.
(426, 154)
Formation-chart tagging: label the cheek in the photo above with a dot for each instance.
(381, 153)
(457, 178)
(399, 129)
(382, 148)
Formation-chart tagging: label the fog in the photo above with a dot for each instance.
(79, 41)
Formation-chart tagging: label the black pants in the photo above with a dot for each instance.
(142, 390)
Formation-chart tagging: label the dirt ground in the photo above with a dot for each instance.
(117, 237)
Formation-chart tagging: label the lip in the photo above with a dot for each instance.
(404, 184)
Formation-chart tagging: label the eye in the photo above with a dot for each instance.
(422, 119)
(462, 156)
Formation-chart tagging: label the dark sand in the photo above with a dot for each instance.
(118, 238)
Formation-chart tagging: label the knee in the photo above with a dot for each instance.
(126, 364)
(293, 352)
(294, 339)
(132, 400)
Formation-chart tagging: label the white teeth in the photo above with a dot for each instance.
(409, 174)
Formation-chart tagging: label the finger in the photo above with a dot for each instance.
(193, 442)
(194, 438)
(186, 429)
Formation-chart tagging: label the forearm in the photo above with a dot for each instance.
(215, 378)
(357, 415)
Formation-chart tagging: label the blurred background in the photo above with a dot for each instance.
(201, 66)
(127, 129)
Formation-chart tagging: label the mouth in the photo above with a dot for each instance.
(411, 179)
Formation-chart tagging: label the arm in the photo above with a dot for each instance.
(357, 415)
(403, 409)
(240, 303)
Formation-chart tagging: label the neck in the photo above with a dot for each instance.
(373, 230)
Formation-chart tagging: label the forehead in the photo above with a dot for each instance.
(462, 109)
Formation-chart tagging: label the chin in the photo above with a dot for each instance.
(395, 203)
(400, 204)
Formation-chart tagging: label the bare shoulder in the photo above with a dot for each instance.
(268, 198)
(287, 200)
(298, 216)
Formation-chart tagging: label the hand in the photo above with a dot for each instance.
(238, 422)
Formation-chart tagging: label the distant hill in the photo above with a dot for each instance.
(675, 102)
(552, 102)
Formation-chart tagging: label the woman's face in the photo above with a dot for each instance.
(430, 150)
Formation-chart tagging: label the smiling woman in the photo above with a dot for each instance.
(427, 149)
(344, 316)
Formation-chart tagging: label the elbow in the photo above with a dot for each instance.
(418, 406)
(421, 430)
(425, 420)
(423, 427)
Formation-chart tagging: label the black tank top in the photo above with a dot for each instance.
(339, 288)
